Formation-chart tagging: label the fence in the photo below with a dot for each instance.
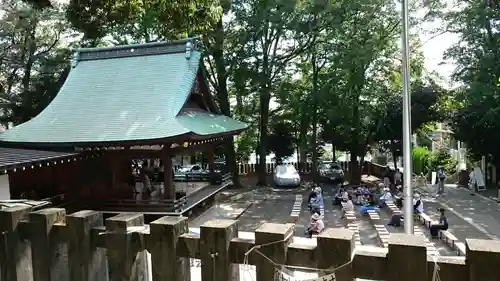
(367, 167)
(116, 244)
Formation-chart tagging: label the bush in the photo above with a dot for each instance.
(421, 160)
(443, 159)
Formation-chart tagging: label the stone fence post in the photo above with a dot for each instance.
(164, 236)
(15, 255)
(407, 257)
(215, 238)
(274, 239)
(123, 262)
(86, 261)
(45, 251)
(334, 249)
(482, 259)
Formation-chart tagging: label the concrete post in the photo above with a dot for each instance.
(401, 247)
(482, 257)
(216, 236)
(164, 235)
(335, 247)
(15, 256)
(279, 235)
(86, 261)
(123, 262)
(44, 245)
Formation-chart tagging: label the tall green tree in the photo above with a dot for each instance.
(34, 59)
(476, 122)
(424, 109)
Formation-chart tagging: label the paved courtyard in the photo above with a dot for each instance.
(470, 216)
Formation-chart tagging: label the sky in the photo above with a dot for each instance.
(434, 49)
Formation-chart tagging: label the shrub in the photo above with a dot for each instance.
(421, 160)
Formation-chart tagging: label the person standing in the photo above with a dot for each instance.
(441, 176)
(397, 178)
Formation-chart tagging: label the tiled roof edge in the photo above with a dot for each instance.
(122, 51)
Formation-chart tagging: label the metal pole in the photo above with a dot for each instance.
(408, 189)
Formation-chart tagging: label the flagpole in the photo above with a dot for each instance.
(407, 165)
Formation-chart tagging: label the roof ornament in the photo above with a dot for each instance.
(189, 49)
(74, 59)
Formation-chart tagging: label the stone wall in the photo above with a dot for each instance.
(116, 245)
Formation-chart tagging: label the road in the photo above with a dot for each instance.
(469, 216)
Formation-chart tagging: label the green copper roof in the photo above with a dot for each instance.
(206, 123)
(125, 93)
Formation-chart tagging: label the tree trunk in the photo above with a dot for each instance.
(334, 154)
(394, 156)
(265, 97)
(314, 114)
(354, 151)
(304, 124)
(223, 96)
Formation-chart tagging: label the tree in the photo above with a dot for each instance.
(141, 21)
(424, 109)
(476, 121)
(35, 56)
(281, 141)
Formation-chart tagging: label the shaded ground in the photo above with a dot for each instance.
(469, 216)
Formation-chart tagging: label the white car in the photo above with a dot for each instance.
(286, 175)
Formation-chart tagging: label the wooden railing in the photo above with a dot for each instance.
(123, 239)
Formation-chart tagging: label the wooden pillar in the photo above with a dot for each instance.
(14, 252)
(211, 165)
(113, 163)
(279, 235)
(164, 236)
(123, 261)
(402, 246)
(86, 261)
(216, 235)
(482, 256)
(169, 189)
(47, 262)
(335, 248)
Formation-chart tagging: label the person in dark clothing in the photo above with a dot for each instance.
(312, 195)
(314, 204)
(442, 225)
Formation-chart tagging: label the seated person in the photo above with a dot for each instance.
(314, 206)
(315, 226)
(398, 199)
(338, 196)
(385, 197)
(418, 205)
(396, 220)
(345, 196)
(312, 194)
(368, 207)
(442, 225)
(349, 206)
(359, 195)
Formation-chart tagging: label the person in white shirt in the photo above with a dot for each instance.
(315, 226)
(385, 197)
(418, 204)
(349, 206)
(345, 196)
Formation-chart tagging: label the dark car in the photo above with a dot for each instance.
(331, 171)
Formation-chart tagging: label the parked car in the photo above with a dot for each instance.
(198, 173)
(331, 171)
(191, 173)
(286, 175)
